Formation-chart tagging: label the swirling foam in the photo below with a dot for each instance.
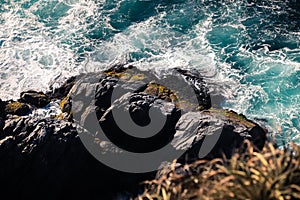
(248, 51)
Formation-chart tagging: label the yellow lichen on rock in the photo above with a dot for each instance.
(66, 107)
(162, 92)
(126, 75)
(119, 74)
(14, 106)
(17, 108)
(231, 116)
(137, 77)
(63, 103)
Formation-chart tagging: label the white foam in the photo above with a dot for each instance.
(33, 55)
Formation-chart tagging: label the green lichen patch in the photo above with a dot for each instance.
(64, 104)
(114, 74)
(189, 106)
(64, 116)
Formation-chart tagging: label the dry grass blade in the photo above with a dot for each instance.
(269, 174)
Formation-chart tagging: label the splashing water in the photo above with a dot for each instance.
(248, 50)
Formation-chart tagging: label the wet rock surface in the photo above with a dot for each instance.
(46, 153)
(38, 99)
(17, 108)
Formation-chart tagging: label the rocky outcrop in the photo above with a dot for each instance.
(38, 99)
(17, 108)
(226, 130)
(62, 91)
(2, 115)
(42, 153)
(45, 157)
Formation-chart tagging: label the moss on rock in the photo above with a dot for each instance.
(231, 116)
(17, 108)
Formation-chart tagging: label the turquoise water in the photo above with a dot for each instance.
(248, 51)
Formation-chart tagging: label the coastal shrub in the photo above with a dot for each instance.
(268, 174)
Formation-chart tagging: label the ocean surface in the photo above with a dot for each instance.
(249, 50)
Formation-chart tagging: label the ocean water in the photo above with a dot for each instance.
(248, 50)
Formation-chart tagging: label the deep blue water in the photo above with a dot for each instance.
(250, 50)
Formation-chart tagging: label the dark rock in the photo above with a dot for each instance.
(45, 156)
(2, 108)
(146, 94)
(195, 80)
(2, 115)
(38, 99)
(17, 108)
(2, 123)
(226, 129)
(138, 109)
(167, 88)
(103, 94)
(125, 79)
(63, 90)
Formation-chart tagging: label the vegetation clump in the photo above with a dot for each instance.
(271, 174)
